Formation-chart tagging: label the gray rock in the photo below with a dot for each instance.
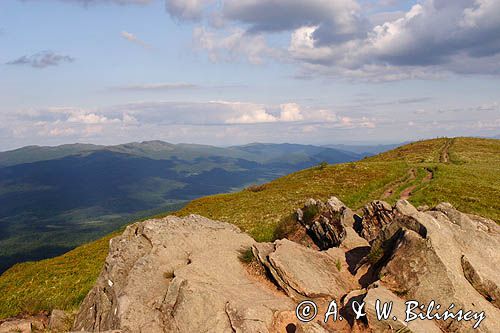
(185, 275)
(429, 264)
(59, 321)
(16, 326)
(179, 275)
(301, 271)
(353, 240)
(483, 278)
(346, 214)
(383, 295)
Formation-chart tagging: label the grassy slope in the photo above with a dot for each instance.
(469, 180)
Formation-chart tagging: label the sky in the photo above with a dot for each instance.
(228, 72)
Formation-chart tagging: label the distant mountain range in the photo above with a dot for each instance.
(55, 198)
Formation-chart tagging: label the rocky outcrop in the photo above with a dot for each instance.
(181, 275)
(323, 222)
(190, 275)
(428, 260)
(376, 215)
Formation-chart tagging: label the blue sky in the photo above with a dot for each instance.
(233, 72)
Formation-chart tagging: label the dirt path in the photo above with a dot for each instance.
(407, 192)
(412, 174)
(444, 156)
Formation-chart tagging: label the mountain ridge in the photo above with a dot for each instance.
(39, 153)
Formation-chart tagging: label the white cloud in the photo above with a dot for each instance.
(90, 118)
(290, 112)
(253, 114)
(233, 45)
(432, 37)
(216, 122)
(341, 38)
(134, 39)
(253, 117)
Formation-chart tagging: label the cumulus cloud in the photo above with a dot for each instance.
(290, 112)
(252, 116)
(42, 60)
(435, 35)
(90, 118)
(349, 38)
(337, 20)
(186, 113)
(343, 38)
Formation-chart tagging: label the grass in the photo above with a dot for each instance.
(470, 181)
(338, 265)
(246, 255)
(60, 282)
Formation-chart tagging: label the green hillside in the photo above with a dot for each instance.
(462, 171)
(53, 199)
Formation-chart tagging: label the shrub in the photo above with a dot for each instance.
(322, 165)
(285, 227)
(310, 212)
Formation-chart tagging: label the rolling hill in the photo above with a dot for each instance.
(55, 198)
(462, 171)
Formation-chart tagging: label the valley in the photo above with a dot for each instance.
(53, 199)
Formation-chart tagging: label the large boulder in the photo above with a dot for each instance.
(180, 275)
(303, 272)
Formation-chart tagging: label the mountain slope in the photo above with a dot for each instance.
(463, 171)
